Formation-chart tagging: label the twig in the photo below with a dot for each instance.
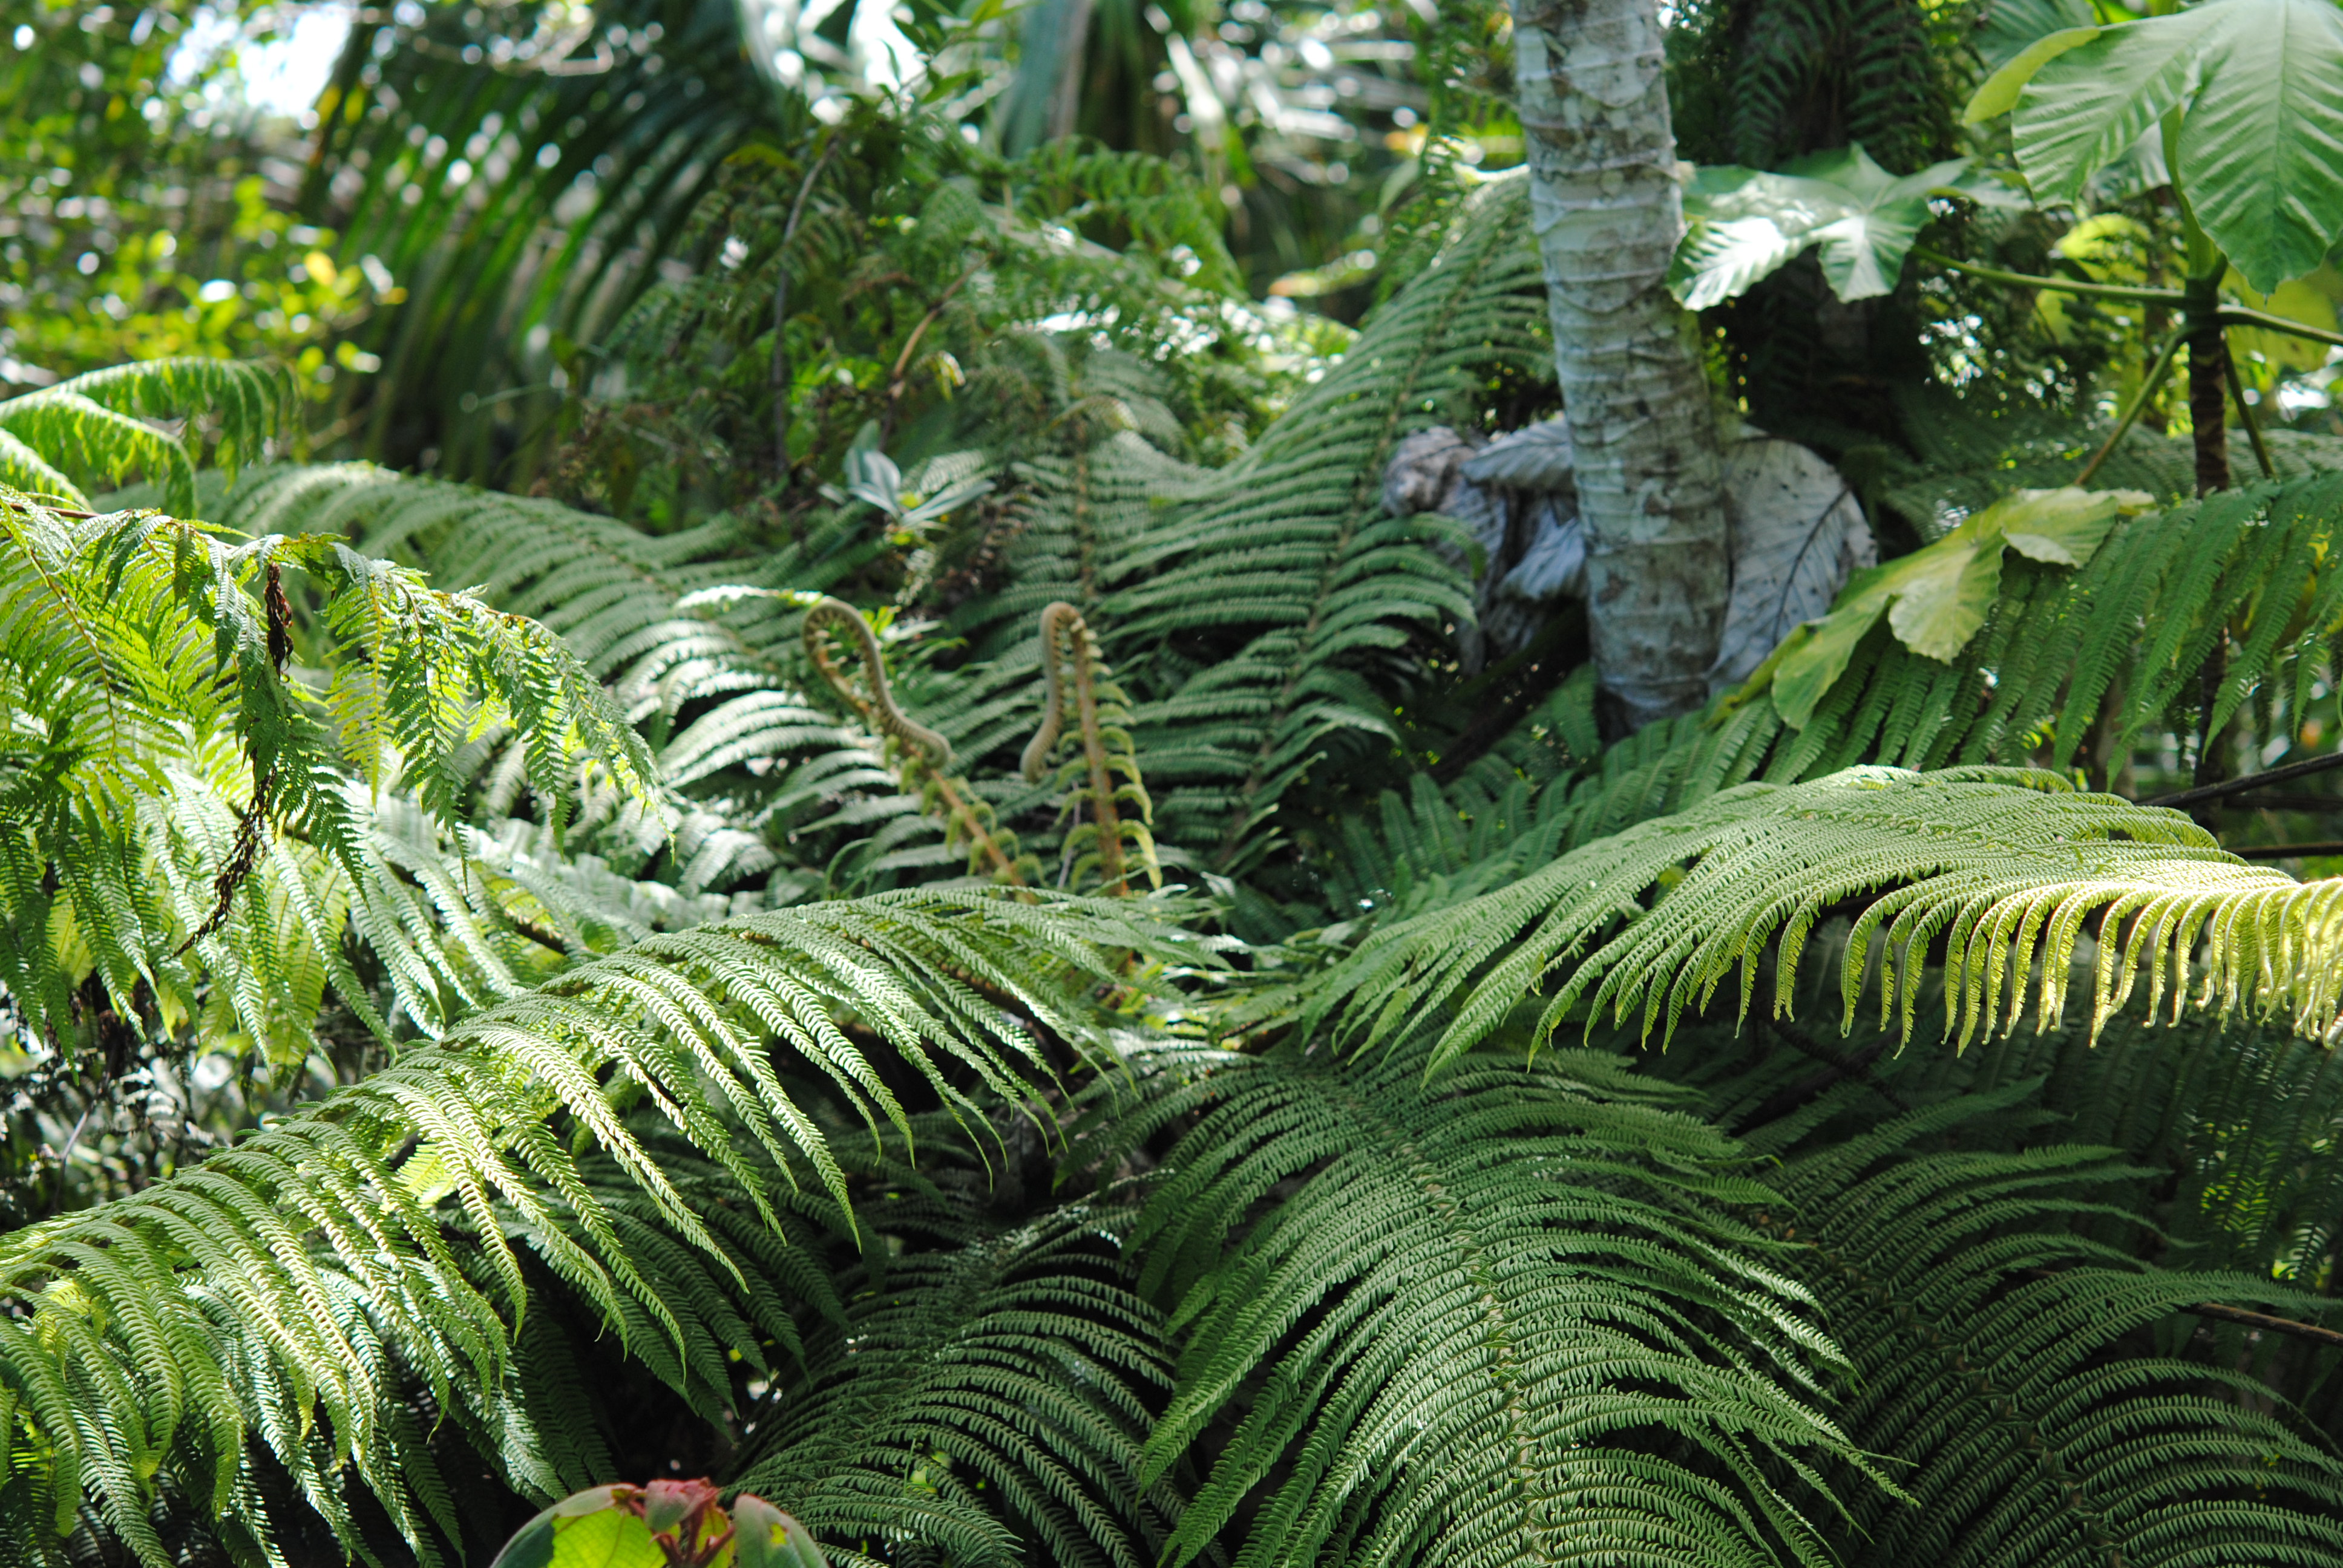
(52, 511)
(2284, 801)
(2250, 781)
(904, 360)
(2148, 390)
(2276, 1325)
(2285, 851)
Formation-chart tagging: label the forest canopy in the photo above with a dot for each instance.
(827, 781)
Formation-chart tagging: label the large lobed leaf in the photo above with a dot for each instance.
(1937, 597)
(1744, 224)
(2258, 88)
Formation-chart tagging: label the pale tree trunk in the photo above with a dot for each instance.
(1608, 212)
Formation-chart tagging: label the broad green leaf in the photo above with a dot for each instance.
(2260, 84)
(585, 1531)
(1937, 598)
(1942, 601)
(1998, 93)
(2011, 26)
(2064, 527)
(765, 1537)
(1811, 660)
(1742, 226)
(1745, 224)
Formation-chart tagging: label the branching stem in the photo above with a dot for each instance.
(2292, 770)
(2262, 320)
(2064, 286)
(2245, 417)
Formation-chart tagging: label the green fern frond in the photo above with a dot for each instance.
(1504, 1317)
(100, 424)
(1992, 1359)
(117, 1361)
(2081, 666)
(700, 646)
(922, 757)
(985, 1400)
(180, 787)
(2111, 653)
(1285, 569)
(1810, 75)
(1118, 811)
(2005, 866)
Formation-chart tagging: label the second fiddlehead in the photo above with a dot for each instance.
(1111, 840)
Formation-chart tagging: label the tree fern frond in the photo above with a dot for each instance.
(985, 1398)
(2117, 644)
(24, 468)
(922, 757)
(115, 1361)
(2004, 865)
(1118, 811)
(98, 424)
(1504, 1317)
(1282, 571)
(167, 740)
(1991, 1355)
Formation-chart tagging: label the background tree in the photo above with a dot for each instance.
(1603, 162)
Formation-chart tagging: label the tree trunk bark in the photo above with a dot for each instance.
(2208, 407)
(1608, 211)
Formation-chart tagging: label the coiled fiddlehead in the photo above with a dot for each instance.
(1102, 713)
(920, 757)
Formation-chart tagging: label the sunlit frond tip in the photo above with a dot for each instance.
(1991, 871)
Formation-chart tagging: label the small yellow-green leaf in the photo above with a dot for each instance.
(2064, 527)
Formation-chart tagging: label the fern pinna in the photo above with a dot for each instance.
(1268, 598)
